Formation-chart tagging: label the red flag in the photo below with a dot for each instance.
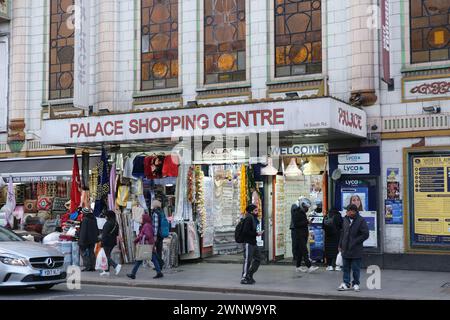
(75, 193)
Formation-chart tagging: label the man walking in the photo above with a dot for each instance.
(354, 232)
(252, 254)
(300, 234)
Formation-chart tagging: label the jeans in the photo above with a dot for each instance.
(159, 248)
(88, 255)
(352, 265)
(252, 260)
(111, 262)
(137, 264)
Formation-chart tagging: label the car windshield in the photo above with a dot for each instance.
(6, 235)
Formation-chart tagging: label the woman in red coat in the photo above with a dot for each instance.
(147, 232)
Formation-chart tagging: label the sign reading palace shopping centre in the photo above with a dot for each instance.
(324, 113)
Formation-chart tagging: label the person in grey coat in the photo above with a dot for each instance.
(354, 232)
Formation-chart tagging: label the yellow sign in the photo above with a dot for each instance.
(432, 199)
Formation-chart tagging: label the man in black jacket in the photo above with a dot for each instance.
(252, 254)
(354, 232)
(88, 239)
(300, 234)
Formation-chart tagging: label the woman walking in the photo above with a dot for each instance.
(332, 225)
(110, 233)
(146, 236)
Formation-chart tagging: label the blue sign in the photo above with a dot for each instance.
(367, 159)
(393, 213)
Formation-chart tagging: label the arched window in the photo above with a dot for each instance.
(430, 30)
(298, 37)
(225, 45)
(159, 46)
(62, 38)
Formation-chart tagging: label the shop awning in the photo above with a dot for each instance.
(300, 115)
(40, 169)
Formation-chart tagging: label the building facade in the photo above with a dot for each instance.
(321, 62)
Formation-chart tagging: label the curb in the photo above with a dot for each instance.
(236, 291)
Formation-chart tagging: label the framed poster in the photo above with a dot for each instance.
(393, 213)
(429, 200)
(357, 196)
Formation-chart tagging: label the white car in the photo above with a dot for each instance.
(29, 264)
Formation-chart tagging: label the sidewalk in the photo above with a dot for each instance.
(283, 281)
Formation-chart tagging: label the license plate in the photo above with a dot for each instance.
(50, 273)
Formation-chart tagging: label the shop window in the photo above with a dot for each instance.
(430, 30)
(62, 38)
(298, 37)
(159, 44)
(225, 44)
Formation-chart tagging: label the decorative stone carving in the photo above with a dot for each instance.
(363, 98)
(16, 130)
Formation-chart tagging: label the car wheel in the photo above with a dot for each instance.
(44, 287)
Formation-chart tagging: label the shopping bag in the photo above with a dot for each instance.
(144, 252)
(101, 263)
(339, 261)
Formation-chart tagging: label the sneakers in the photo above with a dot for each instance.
(301, 269)
(104, 273)
(118, 268)
(312, 269)
(344, 287)
(247, 281)
(330, 268)
(356, 288)
(338, 268)
(159, 275)
(131, 276)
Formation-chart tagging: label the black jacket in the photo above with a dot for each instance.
(249, 230)
(88, 231)
(299, 220)
(109, 234)
(353, 237)
(332, 234)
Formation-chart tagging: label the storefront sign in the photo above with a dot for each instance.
(82, 53)
(219, 155)
(4, 83)
(300, 150)
(354, 158)
(230, 120)
(431, 200)
(354, 168)
(29, 179)
(386, 40)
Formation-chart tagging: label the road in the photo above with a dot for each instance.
(96, 292)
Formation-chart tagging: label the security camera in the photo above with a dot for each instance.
(432, 109)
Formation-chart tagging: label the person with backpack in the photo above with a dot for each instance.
(110, 233)
(246, 232)
(160, 228)
(332, 225)
(300, 234)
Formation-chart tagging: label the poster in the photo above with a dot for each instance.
(393, 184)
(431, 202)
(371, 219)
(316, 238)
(358, 196)
(393, 213)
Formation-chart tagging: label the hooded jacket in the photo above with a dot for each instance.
(249, 230)
(299, 220)
(88, 231)
(146, 231)
(353, 236)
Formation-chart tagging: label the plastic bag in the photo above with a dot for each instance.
(102, 262)
(51, 239)
(339, 261)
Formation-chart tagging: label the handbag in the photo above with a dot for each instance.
(144, 251)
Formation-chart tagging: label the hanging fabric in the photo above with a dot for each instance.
(75, 193)
(103, 185)
(112, 189)
(85, 170)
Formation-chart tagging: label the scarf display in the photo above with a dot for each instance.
(75, 191)
(102, 186)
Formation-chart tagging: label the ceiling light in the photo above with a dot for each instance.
(292, 170)
(269, 170)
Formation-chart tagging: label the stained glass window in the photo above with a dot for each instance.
(430, 30)
(62, 38)
(225, 46)
(298, 37)
(159, 46)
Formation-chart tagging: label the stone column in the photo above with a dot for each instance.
(106, 54)
(19, 94)
(188, 40)
(363, 55)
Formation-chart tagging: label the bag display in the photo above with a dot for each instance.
(44, 203)
(30, 206)
(101, 263)
(59, 204)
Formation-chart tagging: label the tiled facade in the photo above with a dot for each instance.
(351, 55)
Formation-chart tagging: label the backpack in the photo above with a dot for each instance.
(238, 232)
(164, 226)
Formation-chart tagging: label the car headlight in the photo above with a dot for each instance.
(14, 261)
